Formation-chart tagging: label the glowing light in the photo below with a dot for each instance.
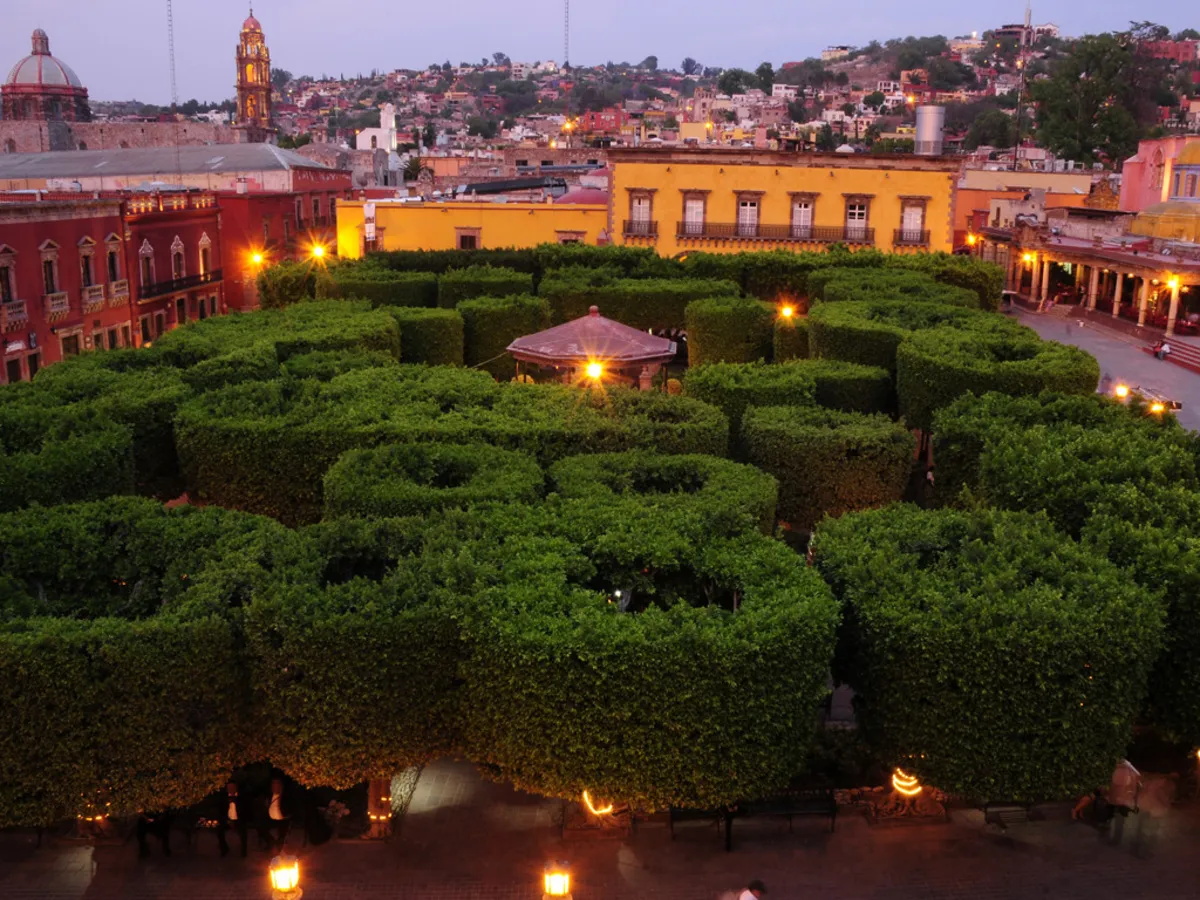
(553, 144)
(911, 99)
(971, 240)
(285, 873)
(556, 882)
(1122, 391)
(256, 258)
(1156, 407)
(1027, 258)
(587, 801)
(595, 371)
(1173, 283)
(906, 784)
(787, 311)
(318, 251)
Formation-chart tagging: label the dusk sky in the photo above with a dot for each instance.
(119, 50)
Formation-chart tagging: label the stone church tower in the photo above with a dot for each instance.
(253, 80)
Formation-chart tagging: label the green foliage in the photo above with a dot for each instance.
(325, 365)
(727, 498)
(653, 303)
(728, 330)
(732, 387)
(850, 387)
(416, 479)
(383, 287)
(936, 366)
(490, 324)
(790, 338)
(841, 285)
(991, 655)
(291, 282)
(430, 336)
(70, 461)
(828, 462)
(458, 285)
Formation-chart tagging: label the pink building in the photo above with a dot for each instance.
(1146, 176)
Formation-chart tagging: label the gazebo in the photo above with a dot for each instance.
(595, 348)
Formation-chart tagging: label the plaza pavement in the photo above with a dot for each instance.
(464, 838)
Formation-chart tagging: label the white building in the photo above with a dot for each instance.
(521, 71)
(888, 87)
(785, 91)
(383, 137)
(829, 54)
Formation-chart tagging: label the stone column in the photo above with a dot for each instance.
(1117, 293)
(1036, 279)
(1174, 310)
(1143, 302)
(1093, 288)
(646, 378)
(1045, 280)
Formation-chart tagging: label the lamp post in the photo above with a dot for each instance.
(285, 878)
(556, 881)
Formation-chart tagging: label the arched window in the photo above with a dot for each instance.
(146, 263)
(249, 73)
(1191, 185)
(1157, 170)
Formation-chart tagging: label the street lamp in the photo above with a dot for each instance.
(318, 252)
(285, 877)
(556, 880)
(256, 258)
(787, 311)
(594, 370)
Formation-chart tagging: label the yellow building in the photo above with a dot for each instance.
(1178, 217)
(466, 225)
(728, 200)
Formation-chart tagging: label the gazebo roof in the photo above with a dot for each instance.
(592, 338)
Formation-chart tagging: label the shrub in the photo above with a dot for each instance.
(416, 479)
(790, 338)
(458, 285)
(384, 287)
(728, 329)
(325, 365)
(732, 387)
(652, 303)
(727, 498)
(289, 282)
(991, 655)
(490, 324)
(828, 462)
(431, 336)
(83, 462)
(984, 278)
(442, 261)
(850, 285)
(849, 386)
(934, 367)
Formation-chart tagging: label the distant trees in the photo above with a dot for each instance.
(797, 111)
(280, 78)
(766, 76)
(480, 126)
(650, 64)
(501, 59)
(288, 142)
(689, 66)
(874, 100)
(993, 128)
(826, 141)
(736, 81)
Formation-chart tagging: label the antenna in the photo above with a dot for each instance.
(566, 34)
(174, 89)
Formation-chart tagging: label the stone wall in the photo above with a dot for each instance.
(38, 137)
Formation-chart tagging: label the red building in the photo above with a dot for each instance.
(608, 121)
(1181, 52)
(63, 281)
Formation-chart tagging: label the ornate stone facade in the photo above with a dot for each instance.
(254, 77)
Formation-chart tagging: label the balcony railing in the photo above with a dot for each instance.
(747, 231)
(907, 237)
(159, 288)
(93, 298)
(57, 305)
(13, 314)
(118, 292)
(640, 228)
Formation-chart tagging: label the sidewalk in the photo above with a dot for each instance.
(466, 838)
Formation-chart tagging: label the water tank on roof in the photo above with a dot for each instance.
(931, 121)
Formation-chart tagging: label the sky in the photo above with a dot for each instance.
(119, 49)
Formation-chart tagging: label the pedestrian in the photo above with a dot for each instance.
(1123, 796)
(157, 824)
(754, 891)
(233, 812)
(279, 817)
(1163, 350)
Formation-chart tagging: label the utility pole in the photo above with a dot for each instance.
(1026, 39)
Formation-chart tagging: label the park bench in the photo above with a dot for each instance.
(1003, 814)
(805, 802)
(1181, 355)
(719, 817)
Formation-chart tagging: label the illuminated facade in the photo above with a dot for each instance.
(254, 77)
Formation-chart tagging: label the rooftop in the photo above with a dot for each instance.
(153, 161)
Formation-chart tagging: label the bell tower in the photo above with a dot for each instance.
(254, 77)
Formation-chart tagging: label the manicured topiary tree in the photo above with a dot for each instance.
(828, 462)
(733, 387)
(653, 303)
(383, 287)
(728, 330)
(791, 338)
(991, 655)
(490, 324)
(849, 386)
(415, 479)
(431, 336)
(458, 285)
(63, 461)
(936, 366)
(842, 285)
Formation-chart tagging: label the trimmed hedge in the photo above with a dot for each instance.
(430, 336)
(828, 462)
(790, 340)
(651, 303)
(292, 281)
(728, 330)
(991, 655)
(849, 386)
(416, 479)
(325, 365)
(935, 367)
(840, 285)
(732, 387)
(383, 287)
(490, 324)
(70, 463)
(728, 498)
(458, 285)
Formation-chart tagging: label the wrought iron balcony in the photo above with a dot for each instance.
(756, 231)
(639, 228)
(93, 298)
(160, 288)
(908, 237)
(56, 305)
(14, 314)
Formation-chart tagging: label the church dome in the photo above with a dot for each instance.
(1174, 220)
(40, 69)
(1189, 155)
(251, 23)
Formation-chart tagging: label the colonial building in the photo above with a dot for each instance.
(253, 78)
(41, 87)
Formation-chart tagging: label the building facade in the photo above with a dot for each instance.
(1146, 176)
(718, 200)
(43, 88)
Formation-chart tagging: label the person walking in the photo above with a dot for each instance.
(233, 813)
(279, 817)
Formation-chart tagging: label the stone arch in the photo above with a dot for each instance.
(83, 145)
(124, 145)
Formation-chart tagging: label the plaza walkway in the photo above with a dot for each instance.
(465, 838)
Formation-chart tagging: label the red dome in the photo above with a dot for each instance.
(251, 24)
(584, 195)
